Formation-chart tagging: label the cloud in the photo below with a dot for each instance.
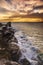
(21, 7)
(38, 7)
(3, 10)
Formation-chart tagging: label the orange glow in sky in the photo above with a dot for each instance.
(29, 8)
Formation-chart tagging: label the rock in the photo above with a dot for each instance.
(40, 58)
(7, 62)
(14, 52)
(6, 34)
(0, 24)
(11, 51)
(11, 63)
(7, 49)
(25, 62)
(4, 53)
(15, 40)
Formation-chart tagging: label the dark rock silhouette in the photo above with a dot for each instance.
(40, 58)
(6, 34)
(7, 49)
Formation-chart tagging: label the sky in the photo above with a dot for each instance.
(21, 8)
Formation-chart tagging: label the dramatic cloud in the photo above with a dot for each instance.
(20, 4)
(20, 7)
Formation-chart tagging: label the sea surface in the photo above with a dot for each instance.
(34, 31)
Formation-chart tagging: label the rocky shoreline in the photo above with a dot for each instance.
(16, 48)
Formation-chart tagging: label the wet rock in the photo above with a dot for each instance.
(6, 34)
(15, 40)
(7, 49)
(7, 62)
(11, 53)
(14, 52)
(4, 53)
(11, 63)
(25, 62)
(0, 24)
(40, 58)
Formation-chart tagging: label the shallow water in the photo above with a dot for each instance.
(30, 41)
(34, 31)
(27, 49)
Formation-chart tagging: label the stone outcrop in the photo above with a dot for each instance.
(40, 59)
(8, 50)
(14, 52)
(15, 48)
